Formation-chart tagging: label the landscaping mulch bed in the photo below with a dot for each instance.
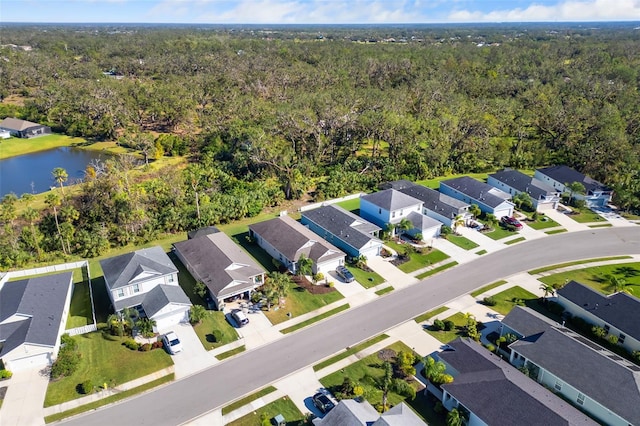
(303, 282)
(399, 260)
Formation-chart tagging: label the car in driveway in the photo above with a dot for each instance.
(171, 343)
(345, 274)
(240, 318)
(511, 221)
(322, 402)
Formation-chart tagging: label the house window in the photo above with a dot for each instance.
(170, 278)
(621, 338)
(393, 214)
(580, 399)
(558, 385)
(401, 211)
(606, 328)
(136, 288)
(379, 211)
(121, 292)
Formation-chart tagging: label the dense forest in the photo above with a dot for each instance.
(260, 116)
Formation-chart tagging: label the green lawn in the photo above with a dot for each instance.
(556, 231)
(365, 372)
(486, 288)
(515, 240)
(435, 182)
(215, 320)
(247, 399)
(506, 299)
(315, 319)
(18, 146)
(254, 250)
(585, 215)
(232, 352)
(594, 277)
(577, 262)
(384, 290)
(601, 225)
(241, 226)
(447, 336)
(543, 222)
(105, 360)
(430, 314)
(436, 270)
(187, 282)
(80, 309)
(353, 350)
(366, 279)
(299, 301)
(462, 242)
(499, 233)
(350, 205)
(417, 260)
(283, 406)
(481, 252)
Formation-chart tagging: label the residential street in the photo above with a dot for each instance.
(189, 398)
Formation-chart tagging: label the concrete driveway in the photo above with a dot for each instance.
(22, 404)
(193, 357)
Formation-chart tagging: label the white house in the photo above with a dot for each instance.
(33, 316)
(489, 199)
(147, 280)
(617, 313)
(390, 206)
(542, 195)
(286, 240)
(439, 206)
(597, 194)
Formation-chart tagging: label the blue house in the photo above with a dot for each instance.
(597, 194)
(347, 231)
(542, 195)
(490, 200)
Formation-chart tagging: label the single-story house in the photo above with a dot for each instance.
(147, 280)
(599, 382)
(390, 206)
(484, 385)
(350, 412)
(618, 313)
(5, 134)
(543, 196)
(347, 231)
(222, 266)
(286, 240)
(23, 128)
(33, 316)
(597, 194)
(439, 206)
(490, 200)
(207, 230)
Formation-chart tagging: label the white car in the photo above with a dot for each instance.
(172, 343)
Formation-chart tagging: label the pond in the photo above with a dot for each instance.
(31, 173)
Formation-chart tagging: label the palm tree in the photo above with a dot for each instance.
(474, 209)
(145, 326)
(458, 221)
(455, 418)
(574, 188)
(31, 214)
(433, 369)
(280, 283)
(403, 226)
(53, 201)
(197, 314)
(387, 383)
(617, 284)
(547, 289)
(305, 265)
(60, 175)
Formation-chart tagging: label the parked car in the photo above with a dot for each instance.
(345, 274)
(240, 318)
(511, 221)
(322, 402)
(171, 343)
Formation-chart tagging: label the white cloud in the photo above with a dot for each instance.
(568, 10)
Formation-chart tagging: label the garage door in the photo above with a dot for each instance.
(28, 363)
(372, 251)
(174, 318)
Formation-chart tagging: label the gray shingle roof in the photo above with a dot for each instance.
(422, 222)
(219, 263)
(524, 321)
(586, 366)
(16, 124)
(436, 201)
(345, 225)
(564, 174)
(501, 395)
(523, 183)
(349, 412)
(390, 199)
(121, 271)
(399, 415)
(161, 296)
(293, 239)
(620, 310)
(202, 232)
(41, 300)
(477, 190)
(398, 185)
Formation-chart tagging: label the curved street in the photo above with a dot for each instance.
(188, 398)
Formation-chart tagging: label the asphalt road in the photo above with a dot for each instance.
(214, 387)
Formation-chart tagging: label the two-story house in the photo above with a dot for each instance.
(146, 280)
(390, 207)
(596, 194)
(220, 264)
(543, 196)
(489, 199)
(618, 313)
(439, 206)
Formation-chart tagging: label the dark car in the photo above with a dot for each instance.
(323, 402)
(511, 221)
(345, 274)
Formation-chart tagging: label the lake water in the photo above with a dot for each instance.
(32, 172)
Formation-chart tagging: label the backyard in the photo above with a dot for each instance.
(628, 274)
(98, 352)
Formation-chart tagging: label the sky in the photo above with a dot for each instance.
(316, 11)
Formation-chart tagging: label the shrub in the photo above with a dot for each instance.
(68, 342)
(66, 363)
(491, 348)
(445, 230)
(131, 344)
(330, 284)
(490, 301)
(613, 339)
(599, 332)
(86, 387)
(318, 277)
(449, 325)
(636, 355)
(5, 374)
(217, 336)
(534, 216)
(156, 345)
(145, 347)
(438, 325)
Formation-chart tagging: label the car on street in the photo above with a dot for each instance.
(322, 402)
(240, 318)
(171, 343)
(345, 274)
(512, 221)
